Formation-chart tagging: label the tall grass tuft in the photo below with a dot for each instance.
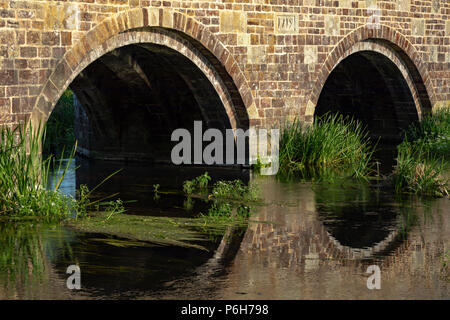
(24, 174)
(432, 135)
(415, 173)
(423, 157)
(332, 146)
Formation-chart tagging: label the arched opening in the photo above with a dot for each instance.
(370, 87)
(138, 87)
(128, 102)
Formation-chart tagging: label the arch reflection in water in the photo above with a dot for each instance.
(115, 267)
(312, 251)
(297, 246)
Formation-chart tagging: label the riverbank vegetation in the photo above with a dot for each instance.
(229, 207)
(151, 230)
(335, 146)
(24, 176)
(230, 200)
(24, 193)
(331, 146)
(423, 156)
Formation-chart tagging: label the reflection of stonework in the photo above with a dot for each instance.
(296, 259)
(299, 240)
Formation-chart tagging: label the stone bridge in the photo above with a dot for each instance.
(141, 68)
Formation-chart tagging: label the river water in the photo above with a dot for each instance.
(307, 241)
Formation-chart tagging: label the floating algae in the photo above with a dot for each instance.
(163, 231)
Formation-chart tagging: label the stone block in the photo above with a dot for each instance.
(418, 27)
(371, 3)
(332, 25)
(403, 5)
(232, 21)
(286, 23)
(310, 54)
(256, 54)
(345, 3)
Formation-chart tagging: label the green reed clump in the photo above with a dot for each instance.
(419, 172)
(431, 136)
(199, 183)
(235, 190)
(60, 133)
(332, 146)
(423, 157)
(24, 175)
(229, 199)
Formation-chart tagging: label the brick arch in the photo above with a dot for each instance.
(175, 30)
(395, 47)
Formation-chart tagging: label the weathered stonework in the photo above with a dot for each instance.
(286, 23)
(418, 28)
(274, 56)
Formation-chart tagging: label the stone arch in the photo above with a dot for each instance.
(164, 27)
(389, 43)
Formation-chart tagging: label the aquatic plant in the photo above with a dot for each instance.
(203, 180)
(114, 207)
(188, 204)
(199, 183)
(235, 190)
(24, 175)
(229, 199)
(431, 136)
(333, 145)
(418, 173)
(423, 157)
(162, 231)
(220, 209)
(156, 192)
(189, 186)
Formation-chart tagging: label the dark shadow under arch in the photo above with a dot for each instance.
(369, 87)
(130, 99)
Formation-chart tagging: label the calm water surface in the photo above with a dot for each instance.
(306, 242)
